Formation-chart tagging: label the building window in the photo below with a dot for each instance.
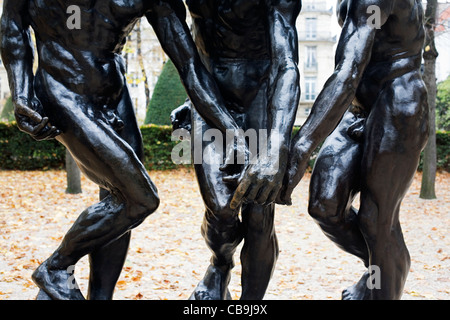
(310, 88)
(311, 28)
(311, 56)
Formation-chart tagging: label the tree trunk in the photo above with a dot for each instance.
(73, 175)
(141, 63)
(427, 190)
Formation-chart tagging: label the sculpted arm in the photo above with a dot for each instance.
(352, 56)
(168, 21)
(262, 181)
(17, 56)
(284, 87)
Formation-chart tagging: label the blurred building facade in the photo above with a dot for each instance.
(316, 39)
(443, 42)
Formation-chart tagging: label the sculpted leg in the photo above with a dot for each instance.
(221, 230)
(107, 262)
(389, 163)
(335, 181)
(260, 251)
(103, 157)
(221, 226)
(106, 265)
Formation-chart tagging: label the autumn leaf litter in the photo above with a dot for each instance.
(168, 256)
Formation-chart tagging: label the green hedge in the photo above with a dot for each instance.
(158, 147)
(169, 93)
(19, 151)
(443, 150)
(8, 111)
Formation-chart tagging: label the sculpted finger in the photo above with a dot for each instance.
(287, 196)
(53, 135)
(38, 128)
(272, 197)
(252, 193)
(263, 195)
(224, 167)
(48, 134)
(41, 135)
(268, 196)
(279, 196)
(240, 193)
(24, 126)
(29, 113)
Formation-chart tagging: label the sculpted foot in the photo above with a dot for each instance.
(213, 286)
(359, 291)
(56, 284)
(42, 295)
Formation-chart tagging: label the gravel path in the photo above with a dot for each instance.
(168, 256)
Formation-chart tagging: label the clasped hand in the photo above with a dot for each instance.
(272, 179)
(30, 120)
(261, 180)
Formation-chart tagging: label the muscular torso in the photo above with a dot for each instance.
(86, 61)
(230, 29)
(232, 38)
(396, 51)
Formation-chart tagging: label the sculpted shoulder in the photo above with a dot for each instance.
(102, 24)
(115, 11)
(403, 34)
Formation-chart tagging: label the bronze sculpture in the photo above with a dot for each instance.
(376, 146)
(250, 47)
(80, 88)
(78, 96)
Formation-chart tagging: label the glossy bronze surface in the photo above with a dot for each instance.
(240, 72)
(375, 146)
(250, 47)
(79, 96)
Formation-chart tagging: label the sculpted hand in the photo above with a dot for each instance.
(29, 120)
(181, 117)
(237, 154)
(297, 165)
(261, 181)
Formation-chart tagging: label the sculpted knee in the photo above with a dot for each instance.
(153, 205)
(143, 209)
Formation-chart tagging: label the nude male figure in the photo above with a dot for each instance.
(250, 47)
(79, 95)
(376, 145)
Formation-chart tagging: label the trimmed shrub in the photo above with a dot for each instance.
(443, 150)
(158, 147)
(8, 111)
(169, 93)
(18, 151)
